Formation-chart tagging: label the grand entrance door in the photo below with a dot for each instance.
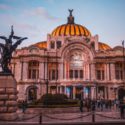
(87, 92)
(79, 92)
(32, 93)
(100, 93)
(121, 93)
(69, 91)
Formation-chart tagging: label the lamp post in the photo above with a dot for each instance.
(123, 61)
(95, 83)
(46, 79)
(46, 82)
(56, 72)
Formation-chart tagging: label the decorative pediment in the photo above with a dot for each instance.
(33, 49)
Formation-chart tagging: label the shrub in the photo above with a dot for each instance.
(54, 99)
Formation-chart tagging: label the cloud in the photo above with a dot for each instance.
(41, 12)
(4, 7)
(12, 20)
(49, 1)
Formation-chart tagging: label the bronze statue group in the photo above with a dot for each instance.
(7, 49)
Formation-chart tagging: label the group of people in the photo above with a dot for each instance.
(23, 105)
(102, 105)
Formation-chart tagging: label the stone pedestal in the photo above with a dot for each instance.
(8, 97)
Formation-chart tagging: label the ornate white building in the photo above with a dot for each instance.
(70, 61)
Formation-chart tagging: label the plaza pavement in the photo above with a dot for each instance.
(66, 116)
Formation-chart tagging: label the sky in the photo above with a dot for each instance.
(36, 18)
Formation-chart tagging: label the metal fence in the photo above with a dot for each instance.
(40, 116)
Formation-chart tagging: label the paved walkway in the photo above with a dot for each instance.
(71, 115)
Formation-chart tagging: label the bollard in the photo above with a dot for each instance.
(93, 116)
(93, 111)
(40, 119)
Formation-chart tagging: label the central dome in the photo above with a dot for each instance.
(71, 29)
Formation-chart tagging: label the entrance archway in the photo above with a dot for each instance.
(79, 92)
(32, 93)
(121, 93)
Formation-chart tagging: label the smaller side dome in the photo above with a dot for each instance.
(103, 46)
(41, 45)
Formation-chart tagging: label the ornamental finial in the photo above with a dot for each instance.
(70, 11)
(70, 18)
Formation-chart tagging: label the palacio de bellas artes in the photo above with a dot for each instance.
(71, 61)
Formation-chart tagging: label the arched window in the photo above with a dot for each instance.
(119, 71)
(58, 44)
(32, 93)
(93, 45)
(100, 71)
(53, 71)
(52, 45)
(76, 65)
(33, 70)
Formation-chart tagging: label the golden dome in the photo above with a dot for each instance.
(103, 46)
(41, 45)
(71, 28)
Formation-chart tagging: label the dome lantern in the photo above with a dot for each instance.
(70, 18)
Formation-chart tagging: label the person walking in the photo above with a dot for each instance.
(81, 106)
(121, 106)
(24, 106)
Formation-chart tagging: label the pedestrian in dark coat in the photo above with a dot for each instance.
(121, 106)
(24, 106)
(81, 106)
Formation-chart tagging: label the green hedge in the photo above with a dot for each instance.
(57, 99)
(54, 99)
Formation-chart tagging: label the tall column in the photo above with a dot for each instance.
(108, 71)
(106, 92)
(17, 74)
(46, 70)
(60, 69)
(105, 96)
(25, 70)
(41, 70)
(96, 92)
(85, 73)
(41, 76)
(92, 92)
(90, 72)
(65, 70)
(21, 71)
(65, 90)
(112, 69)
(109, 92)
(105, 72)
(93, 73)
